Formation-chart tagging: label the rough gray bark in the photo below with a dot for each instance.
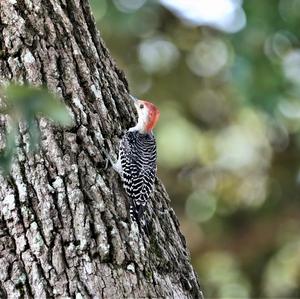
(64, 229)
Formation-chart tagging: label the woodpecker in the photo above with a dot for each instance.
(136, 162)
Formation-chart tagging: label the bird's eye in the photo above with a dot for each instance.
(142, 106)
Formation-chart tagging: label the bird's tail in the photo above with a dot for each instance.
(137, 211)
(138, 215)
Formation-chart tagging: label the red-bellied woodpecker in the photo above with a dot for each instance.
(137, 158)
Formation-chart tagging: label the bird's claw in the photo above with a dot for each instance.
(106, 163)
(108, 159)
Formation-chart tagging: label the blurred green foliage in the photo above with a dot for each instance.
(25, 103)
(228, 136)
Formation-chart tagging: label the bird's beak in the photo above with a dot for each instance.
(134, 99)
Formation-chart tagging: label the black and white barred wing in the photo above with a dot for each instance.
(138, 160)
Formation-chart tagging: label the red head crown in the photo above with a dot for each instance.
(148, 114)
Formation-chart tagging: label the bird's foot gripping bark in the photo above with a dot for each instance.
(116, 164)
(108, 158)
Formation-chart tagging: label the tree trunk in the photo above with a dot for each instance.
(64, 228)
